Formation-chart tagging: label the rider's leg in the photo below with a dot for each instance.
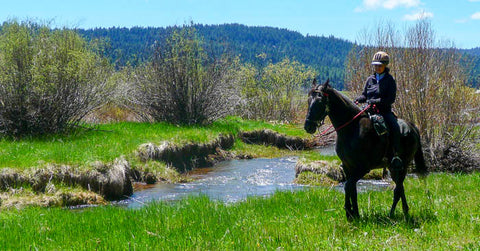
(394, 129)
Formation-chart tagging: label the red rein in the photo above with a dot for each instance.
(342, 126)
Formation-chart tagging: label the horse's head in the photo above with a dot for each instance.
(317, 106)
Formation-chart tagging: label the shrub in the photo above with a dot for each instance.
(49, 79)
(275, 91)
(431, 86)
(183, 84)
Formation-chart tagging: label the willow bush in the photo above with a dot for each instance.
(183, 84)
(431, 81)
(49, 79)
(275, 92)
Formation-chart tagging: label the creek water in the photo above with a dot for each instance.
(228, 181)
(235, 180)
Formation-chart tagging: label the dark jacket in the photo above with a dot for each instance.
(382, 93)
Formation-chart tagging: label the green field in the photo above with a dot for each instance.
(445, 211)
(445, 215)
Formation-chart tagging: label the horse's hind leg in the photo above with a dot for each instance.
(398, 177)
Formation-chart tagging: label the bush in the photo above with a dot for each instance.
(182, 84)
(274, 92)
(49, 79)
(431, 86)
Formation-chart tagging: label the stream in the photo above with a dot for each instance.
(235, 180)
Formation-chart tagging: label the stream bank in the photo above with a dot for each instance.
(98, 183)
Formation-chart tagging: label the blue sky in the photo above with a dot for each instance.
(454, 20)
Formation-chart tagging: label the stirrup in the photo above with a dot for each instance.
(396, 163)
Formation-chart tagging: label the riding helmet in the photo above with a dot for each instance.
(380, 57)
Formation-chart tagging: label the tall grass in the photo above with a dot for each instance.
(110, 141)
(444, 215)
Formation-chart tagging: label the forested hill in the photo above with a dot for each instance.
(255, 45)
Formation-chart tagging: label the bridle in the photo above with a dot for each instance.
(321, 121)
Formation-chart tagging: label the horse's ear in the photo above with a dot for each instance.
(327, 83)
(314, 83)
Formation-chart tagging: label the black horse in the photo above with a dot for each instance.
(359, 147)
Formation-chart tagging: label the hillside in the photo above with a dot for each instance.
(255, 45)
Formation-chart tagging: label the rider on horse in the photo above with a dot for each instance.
(380, 90)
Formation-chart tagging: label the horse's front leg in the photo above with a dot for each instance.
(351, 205)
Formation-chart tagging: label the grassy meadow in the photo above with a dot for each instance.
(445, 215)
(445, 212)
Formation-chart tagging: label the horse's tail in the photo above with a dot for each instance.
(420, 166)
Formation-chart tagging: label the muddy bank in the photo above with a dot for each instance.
(20, 198)
(327, 173)
(186, 157)
(111, 181)
(272, 138)
(321, 172)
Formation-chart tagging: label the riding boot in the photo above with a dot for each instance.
(397, 163)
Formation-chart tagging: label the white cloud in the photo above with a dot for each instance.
(387, 4)
(418, 16)
(474, 0)
(476, 16)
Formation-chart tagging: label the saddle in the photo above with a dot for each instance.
(378, 121)
(379, 124)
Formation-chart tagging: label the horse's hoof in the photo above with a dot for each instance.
(352, 216)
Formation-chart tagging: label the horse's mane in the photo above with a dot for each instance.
(342, 98)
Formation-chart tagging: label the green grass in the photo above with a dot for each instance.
(445, 215)
(110, 141)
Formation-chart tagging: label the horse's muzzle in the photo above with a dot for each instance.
(310, 126)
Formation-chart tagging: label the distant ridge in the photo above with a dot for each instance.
(254, 44)
(258, 45)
